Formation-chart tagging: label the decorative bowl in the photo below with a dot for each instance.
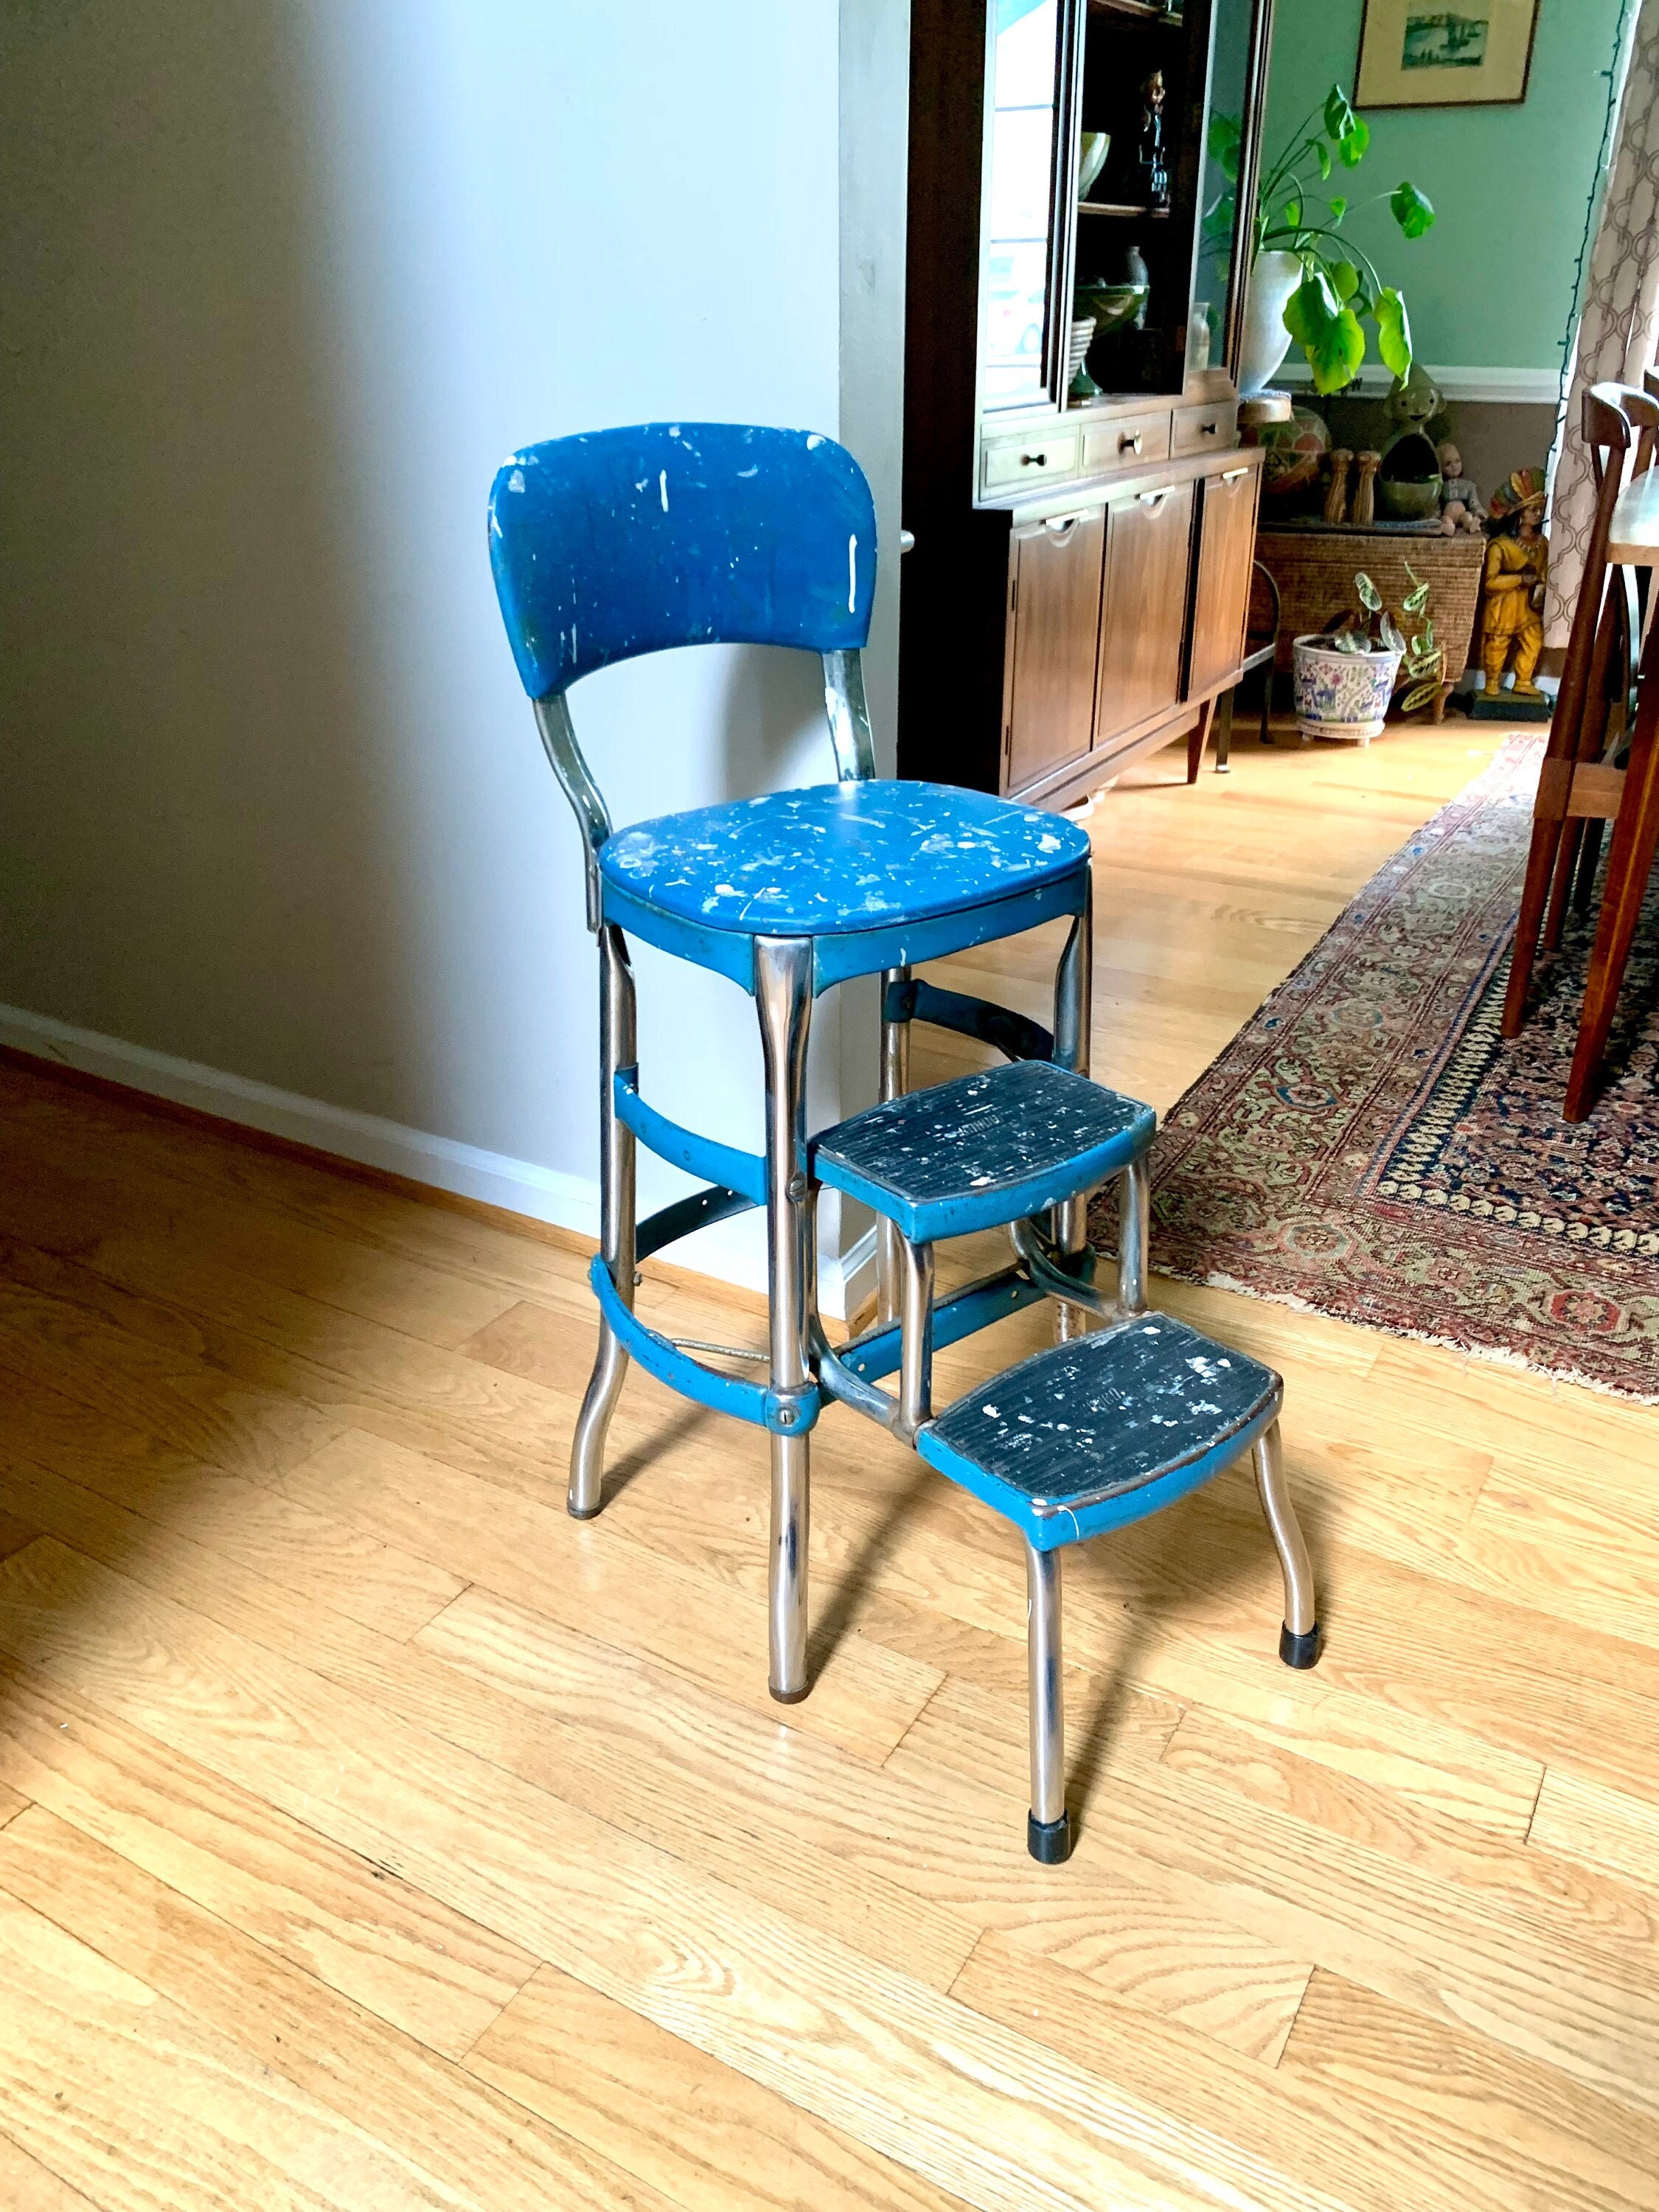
(1112, 304)
(1409, 502)
(1092, 149)
(1342, 696)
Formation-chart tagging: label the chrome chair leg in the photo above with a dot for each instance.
(895, 1082)
(1134, 1206)
(1298, 1639)
(783, 997)
(1048, 1825)
(1073, 991)
(618, 1048)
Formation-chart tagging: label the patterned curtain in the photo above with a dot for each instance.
(1619, 329)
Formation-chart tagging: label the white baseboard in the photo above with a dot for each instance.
(731, 1252)
(1531, 387)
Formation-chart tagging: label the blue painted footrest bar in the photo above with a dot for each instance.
(985, 1149)
(1101, 1431)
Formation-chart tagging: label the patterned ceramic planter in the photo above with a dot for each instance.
(1342, 696)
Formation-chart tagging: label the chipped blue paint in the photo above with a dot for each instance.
(839, 856)
(1105, 1430)
(616, 543)
(985, 1149)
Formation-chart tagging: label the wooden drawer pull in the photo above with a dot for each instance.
(1131, 442)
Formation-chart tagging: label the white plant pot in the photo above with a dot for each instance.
(1342, 696)
(1265, 341)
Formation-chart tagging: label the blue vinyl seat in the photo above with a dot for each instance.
(627, 541)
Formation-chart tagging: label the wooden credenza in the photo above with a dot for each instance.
(1125, 613)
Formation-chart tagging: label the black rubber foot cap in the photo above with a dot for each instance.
(789, 1697)
(1299, 1650)
(592, 1514)
(1050, 1842)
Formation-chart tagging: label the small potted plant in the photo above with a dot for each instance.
(1344, 676)
(1307, 283)
(1423, 669)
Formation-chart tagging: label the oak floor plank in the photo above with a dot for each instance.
(131, 2100)
(1181, 1960)
(26, 2186)
(864, 1696)
(1603, 1828)
(1538, 2141)
(410, 1682)
(357, 1928)
(917, 2078)
(443, 2137)
(709, 2137)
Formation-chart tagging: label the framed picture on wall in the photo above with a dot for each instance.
(1414, 53)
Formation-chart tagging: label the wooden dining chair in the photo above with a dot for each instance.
(1573, 784)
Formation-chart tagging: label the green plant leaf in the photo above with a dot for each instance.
(1370, 598)
(1350, 147)
(1393, 333)
(1391, 633)
(1291, 214)
(1345, 281)
(1224, 145)
(1421, 694)
(1415, 600)
(1339, 208)
(1322, 155)
(1410, 210)
(1340, 118)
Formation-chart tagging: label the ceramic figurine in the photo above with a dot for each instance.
(1364, 492)
(1336, 499)
(1460, 495)
(1151, 173)
(1511, 610)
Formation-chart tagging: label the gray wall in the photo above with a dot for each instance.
(282, 282)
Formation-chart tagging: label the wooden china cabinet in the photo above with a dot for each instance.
(1078, 586)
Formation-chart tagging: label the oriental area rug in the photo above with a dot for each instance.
(1369, 1147)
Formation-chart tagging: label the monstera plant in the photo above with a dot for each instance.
(1339, 290)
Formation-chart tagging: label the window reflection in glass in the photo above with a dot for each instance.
(1219, 215)
(1016, 274)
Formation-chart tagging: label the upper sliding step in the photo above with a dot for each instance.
(984, 1149)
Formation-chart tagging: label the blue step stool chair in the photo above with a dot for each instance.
(628, 542)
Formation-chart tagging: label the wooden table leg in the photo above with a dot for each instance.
(1195, 740)
(1635, 839)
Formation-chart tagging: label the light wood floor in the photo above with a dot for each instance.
(376, 1836)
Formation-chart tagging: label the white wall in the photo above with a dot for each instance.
(283, 280)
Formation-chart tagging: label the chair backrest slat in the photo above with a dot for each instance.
(617, 543)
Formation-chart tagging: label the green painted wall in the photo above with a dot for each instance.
(1492, 284)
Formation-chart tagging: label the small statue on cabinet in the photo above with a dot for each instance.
(1152, 170)
(1363, 510)
(1511, 608)
(1460, 495)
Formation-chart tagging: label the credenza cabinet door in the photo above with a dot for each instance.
(1143, 619)
(1053, 621)
(1221, 596)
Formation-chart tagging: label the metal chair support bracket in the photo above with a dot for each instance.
(789, 1412)
(1013, 1035)
(701, 1156)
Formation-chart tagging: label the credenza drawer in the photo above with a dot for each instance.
(1125, 440)
(1036, 460)
(1205, 429)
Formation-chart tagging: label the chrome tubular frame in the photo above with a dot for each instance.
(1300, 1608)
(895, 1082)
(1044, 1660)
(1134, 1206)
(577, 781)
(783, 998)
(915, 1402)
(618, 1047)
(1073, 994)
(849, 717)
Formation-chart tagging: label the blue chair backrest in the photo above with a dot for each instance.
(622, 542)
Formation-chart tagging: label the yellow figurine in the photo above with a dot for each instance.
(1511, 614)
